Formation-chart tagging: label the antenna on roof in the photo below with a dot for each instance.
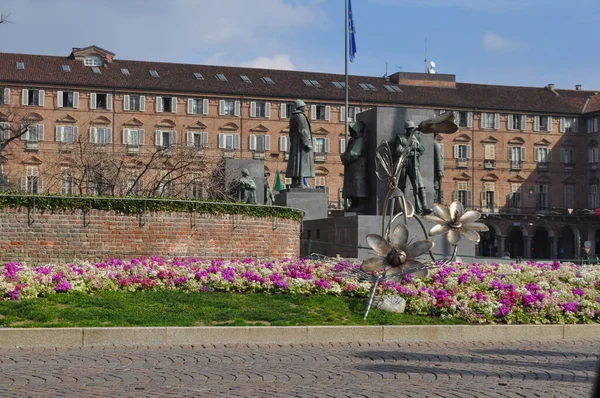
(425, 61)
(385, 76)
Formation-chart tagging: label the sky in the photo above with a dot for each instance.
(503, 42)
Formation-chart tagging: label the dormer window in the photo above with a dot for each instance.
(221, 77)
(92, 60)
(153, 73)
(125, 71)
(66, 68)
(245, 79)
(20, 65)
(198, 76)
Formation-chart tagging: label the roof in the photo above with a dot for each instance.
(179, 78)
(594, 104)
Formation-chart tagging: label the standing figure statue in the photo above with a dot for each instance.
(247, 187)
(301, 163)
(412, 166)
(355, 167)
(269, 197)
(438, 168)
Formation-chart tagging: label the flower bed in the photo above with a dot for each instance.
(479, 293)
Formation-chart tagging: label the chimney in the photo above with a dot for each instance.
(550, 87)
(578, 87)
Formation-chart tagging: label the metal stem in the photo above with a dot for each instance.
(379, 277)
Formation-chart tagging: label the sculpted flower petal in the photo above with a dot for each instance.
(380, 245)
(410, 209)
(470, 216)
(475, 226)
(400, 237)
(454, 237)
(471, 235)
(456, 210)
(372, 264)
(434, 219)
(439, 229)
(412, 264)
(442, 211)
(418, 248)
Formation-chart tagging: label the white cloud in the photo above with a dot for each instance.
(494, 42)
(281, 61)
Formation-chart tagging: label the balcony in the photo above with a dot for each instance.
(31, 145)
(569, 166)
(133, 149)
(593, 166)
(100, 148)
(320, 157)
(228, 154)
(462, 163)
(516, 165)
(542, 165)
(489, 164)
(259, 155)
(65, 147)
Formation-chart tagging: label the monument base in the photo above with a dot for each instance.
(347, 236)
(312, 201)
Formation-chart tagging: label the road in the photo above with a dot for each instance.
(481, 369)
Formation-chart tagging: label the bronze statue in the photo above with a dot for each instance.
(412, 166)
(301, 163)
(247, 187)
(438, 168)
(269, 197)
(355, 167)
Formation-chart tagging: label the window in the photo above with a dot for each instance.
(92, 60)
(198, 76)
(31, 182)
(195, 188)
(367, 86)
(593, 199)
(320, 182)
(260, 109)
(65, 68)
(197, 106)
(516, 155)
(286, 110)
(134, 103)
(311, 83)
(101, 101)
(165, 188)
(542, 200)
(515, 196)
(569, 197)
(125, 71)
(321, 145)
(568, 125)
(284, 144)
(5, 131)
(221, 77)
(100, 135)
(352, 112)
(35, 133)
(4, 96)
(166, 104)
(165, 138)
(489, 152)
(566, 156)
(154, 73)
(320, 112)
(66, 183)
(259, 143)
(490, 120)
(542, 123)
(229, 107)
(96, 70)
(20, 65)
(462, 151)
(593, 155)
(462, 194)
(133, 137)
(592, 125)
(133, 186)
(488, 196)
(229, 141)
(66, 134)
(542, 156)
(392, 88)
(197, 139)
(67, 99)
(516, 122)
(268, 80)
(465, 119)
(245, 79)
(32, 97)
(339, 84)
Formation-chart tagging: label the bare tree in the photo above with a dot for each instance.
(14, 125)
(4, 18)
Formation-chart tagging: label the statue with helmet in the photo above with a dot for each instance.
(301, 163)
(410, 142)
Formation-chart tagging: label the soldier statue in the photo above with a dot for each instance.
(355, 168)
(301, 163)
(438, 168)
(269, 197)
(412, 165)
(247, 187)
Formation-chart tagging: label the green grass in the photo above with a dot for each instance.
(172, 308)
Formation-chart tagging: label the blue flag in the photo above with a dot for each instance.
(352, 31)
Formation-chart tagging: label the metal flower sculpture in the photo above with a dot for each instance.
(455, 222)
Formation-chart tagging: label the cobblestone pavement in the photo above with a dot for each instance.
(482, 369)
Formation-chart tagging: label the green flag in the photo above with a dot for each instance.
(278, 184)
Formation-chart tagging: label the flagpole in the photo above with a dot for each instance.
(346, 44)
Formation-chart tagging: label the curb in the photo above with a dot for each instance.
(177, 336)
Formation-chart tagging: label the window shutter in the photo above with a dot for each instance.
(456, 117)
(59, 99)
(342, 145)
(327, 112)
(563, 155)
(25, 135)
(221, 140)
(141, 137)
(342, 113)
(283, 144)
(483, 121)
(470, 119)
(267, 142)
(158, 138)
(23, 184)
(561, 125)
(236, 140)
(314, 144)
(326, 145)
(41, 93)
(109, 102)
(456, 151)
(58, 135)
(468, 151)
(313, 112)
(469, 198)
(496, 121)
(190, 106)
(93, 101)
(93, 135)
(510, 151)
(159, 104)
(221, 107)
(205, 106)
(536, 154)
(282, 111)
(523, 154)
(455, 196)
(483, 201)
(125, 102)
(174, 105)
(252, 109)
(536, 123)
(509, 123)
(76, 100)
(268, 110)
(108, 136)
(237, 111)
(575, 125)
(356, 111)
(595, 124)
(173, 137)
(204, 139)
(75, 133)
(142, 103)
(493, 152)
(40, 132)
(523, 122)
(190, 136)
(252, 142)
(549, 123)
(24, 97)
(125, 136)
(6, 96)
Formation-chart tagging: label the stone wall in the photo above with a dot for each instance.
(67, 236)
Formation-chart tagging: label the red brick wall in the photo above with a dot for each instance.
(68, 236)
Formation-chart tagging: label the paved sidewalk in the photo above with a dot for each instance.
(423, 369)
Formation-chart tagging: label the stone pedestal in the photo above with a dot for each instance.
(312, 201)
